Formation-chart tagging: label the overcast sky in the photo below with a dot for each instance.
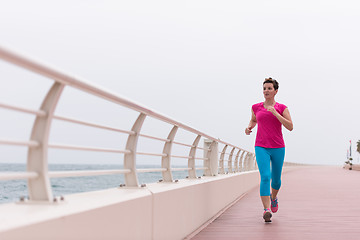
(203, 62)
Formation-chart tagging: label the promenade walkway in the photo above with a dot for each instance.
(314, 203)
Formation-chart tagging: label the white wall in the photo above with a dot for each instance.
(158, 211)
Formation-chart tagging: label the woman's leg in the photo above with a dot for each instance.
(277, 161)
(263, 162)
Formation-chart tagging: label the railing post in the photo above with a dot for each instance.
(241, 162)
(207, 144)
(166, 160)
(192, 154)
(256, 166)
(250, 162)
(131, 178)
(230, 166)
(236, 163)
(213, 160)
(247, 161)
(253, 163)
(37, 160)
(221, 162)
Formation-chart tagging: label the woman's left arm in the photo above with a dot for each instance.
(285, 119)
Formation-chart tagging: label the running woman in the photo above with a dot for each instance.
(269, 144)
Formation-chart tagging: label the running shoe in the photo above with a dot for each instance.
(274, 205)
(267, 215)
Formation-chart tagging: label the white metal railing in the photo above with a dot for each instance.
(37, 172)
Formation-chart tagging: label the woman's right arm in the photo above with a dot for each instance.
(252, 123)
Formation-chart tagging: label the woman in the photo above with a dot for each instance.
(269, 145)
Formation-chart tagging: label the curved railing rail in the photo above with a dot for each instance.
(37, 173)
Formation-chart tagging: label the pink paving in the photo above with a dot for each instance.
(314, 203)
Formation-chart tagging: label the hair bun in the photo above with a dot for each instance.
(273, 81)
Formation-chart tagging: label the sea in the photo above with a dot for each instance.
(12, 191)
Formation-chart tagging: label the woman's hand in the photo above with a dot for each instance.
(272, 110)
(247, 131)
(285, 119)
(252, 123)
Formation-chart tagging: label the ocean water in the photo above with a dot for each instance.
(11, 191)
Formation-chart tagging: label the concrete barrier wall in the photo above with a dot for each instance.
(159, 211)
(178, 212)
(108, 214)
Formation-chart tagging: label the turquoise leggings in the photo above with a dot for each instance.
(265, 156)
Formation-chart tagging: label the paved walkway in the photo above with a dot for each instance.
(314, 203)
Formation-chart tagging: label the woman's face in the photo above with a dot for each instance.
(269, 91)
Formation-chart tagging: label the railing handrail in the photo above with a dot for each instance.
(38, 174)
(81, 84)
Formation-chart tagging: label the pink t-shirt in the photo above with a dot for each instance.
(269, 133)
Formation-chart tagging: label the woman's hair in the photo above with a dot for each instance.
(273, 81)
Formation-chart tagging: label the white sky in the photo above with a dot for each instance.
(203, 62)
